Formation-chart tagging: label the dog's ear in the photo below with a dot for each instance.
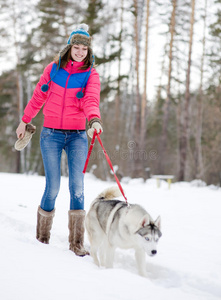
(158, 222)
(145, 221)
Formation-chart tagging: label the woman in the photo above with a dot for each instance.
(69, 89)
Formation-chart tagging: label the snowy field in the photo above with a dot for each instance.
(187, 266)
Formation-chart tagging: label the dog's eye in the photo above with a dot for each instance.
(147, 239)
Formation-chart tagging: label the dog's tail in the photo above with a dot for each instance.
(109, 193)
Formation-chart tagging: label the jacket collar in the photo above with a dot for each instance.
(73, 66)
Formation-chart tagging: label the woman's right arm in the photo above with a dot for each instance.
(38, 97)
(36, 102)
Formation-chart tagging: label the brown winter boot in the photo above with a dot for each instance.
(44, 223)
(76, 232)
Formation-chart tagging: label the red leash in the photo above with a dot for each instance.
(90, 150)
(107, 158)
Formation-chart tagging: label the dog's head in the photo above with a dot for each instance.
(149, 234)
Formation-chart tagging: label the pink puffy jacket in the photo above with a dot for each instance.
(62, 109)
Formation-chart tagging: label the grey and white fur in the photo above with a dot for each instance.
(112, 224)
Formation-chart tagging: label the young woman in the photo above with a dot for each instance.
(69, 89)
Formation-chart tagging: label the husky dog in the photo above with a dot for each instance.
(111, 224)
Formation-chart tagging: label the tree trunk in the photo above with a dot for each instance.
(137, 126)
(144, 97)
(20, 155)
(185, 127)
(199, 170)
(117, 100)
(162, 70)
(164, 137)
(28, 149)
(136, 130)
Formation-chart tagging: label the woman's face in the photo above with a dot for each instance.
(79, 52)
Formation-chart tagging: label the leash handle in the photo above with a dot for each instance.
(107, 158)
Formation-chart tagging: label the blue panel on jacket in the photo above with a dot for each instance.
(75, 80)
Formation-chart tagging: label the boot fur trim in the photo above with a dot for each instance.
(46, 213)
(79, 212)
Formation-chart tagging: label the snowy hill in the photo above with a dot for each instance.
(187, 266)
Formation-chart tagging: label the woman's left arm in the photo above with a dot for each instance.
(91, 99)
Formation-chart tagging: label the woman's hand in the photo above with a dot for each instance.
(95, 126)
(20, 131)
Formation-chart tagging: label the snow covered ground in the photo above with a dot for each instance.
(187, 266)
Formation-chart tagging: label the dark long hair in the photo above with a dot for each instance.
(65, 59)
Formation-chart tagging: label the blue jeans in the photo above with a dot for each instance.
(75, 144)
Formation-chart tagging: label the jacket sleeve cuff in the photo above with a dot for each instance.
(93, 121)
(26, 119)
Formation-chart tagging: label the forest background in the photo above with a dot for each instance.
(160, 69)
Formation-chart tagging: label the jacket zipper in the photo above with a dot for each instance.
(63, 100)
